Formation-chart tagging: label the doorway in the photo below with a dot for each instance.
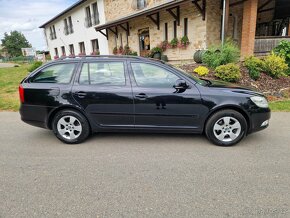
(144, 41)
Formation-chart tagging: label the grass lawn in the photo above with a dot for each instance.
(11, 77)
(280, 106)
(9, 81)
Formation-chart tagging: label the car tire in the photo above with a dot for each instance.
(226, 128)
(70, 126)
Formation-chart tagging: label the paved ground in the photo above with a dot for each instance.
(139, 175)
(3, 65)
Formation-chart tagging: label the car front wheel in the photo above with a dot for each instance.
(70, 127)
(226, 127)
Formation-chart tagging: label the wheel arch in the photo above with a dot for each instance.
(229, 107)
(65, 107)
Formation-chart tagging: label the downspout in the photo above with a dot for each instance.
(224, 22)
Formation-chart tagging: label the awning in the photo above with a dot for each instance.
(172, 7)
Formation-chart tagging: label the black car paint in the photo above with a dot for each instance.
(125, 108)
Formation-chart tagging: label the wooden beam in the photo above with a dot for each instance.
(156, 21)
(265, 10)
(264, 5)
(176, 15)
(237, 3)
(114, 31)
(201, 8)
(104, 34)
(127, 29)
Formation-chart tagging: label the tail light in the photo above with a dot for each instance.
(21, 93)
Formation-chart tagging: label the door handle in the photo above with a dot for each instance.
(81, 94)
(141, 96)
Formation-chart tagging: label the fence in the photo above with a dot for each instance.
(264, 45)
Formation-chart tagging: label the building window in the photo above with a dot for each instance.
(88, 19)
(70, 25)
(56, 52)
(65, 27)
(63, 51)
(174, 29)
(95, 45)
(71, 49)
(82, 48)
(96, 19)
(166, 31)
(141, 4)
(185, 27)
(52, 34)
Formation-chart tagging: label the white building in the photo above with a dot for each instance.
(72, 31)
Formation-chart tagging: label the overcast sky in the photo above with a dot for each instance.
(26, 16)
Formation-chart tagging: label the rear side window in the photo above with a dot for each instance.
(103, 73)
(60, 73)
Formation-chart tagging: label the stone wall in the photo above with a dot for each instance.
(115, 9)
(196, 33)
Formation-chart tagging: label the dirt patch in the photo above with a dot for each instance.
(264, 84)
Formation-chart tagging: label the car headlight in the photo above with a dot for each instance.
(260, 101)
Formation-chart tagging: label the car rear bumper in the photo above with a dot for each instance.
(260, 120)
(34, 115)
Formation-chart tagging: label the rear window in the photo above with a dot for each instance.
(60, 73)
(103, 73)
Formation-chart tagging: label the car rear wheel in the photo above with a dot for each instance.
(226, 127)
(70, 127)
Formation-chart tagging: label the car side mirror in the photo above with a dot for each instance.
(180, 84)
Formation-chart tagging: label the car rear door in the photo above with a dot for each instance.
(158, 104)
(103, 90)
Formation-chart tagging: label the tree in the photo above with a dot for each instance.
(14, 42)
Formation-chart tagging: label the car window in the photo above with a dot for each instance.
(152, 76)
(59, 73)
(103, 73)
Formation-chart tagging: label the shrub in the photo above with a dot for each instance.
(229, 73)
(34, 66)
(275, 66)
(201, 71)
(283, 50)
(254, 65)
(221, 55)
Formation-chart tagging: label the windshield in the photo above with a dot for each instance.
(190, 76)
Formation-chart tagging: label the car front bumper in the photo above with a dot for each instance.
(259, 120)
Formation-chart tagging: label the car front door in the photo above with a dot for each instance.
(104, 91)
(158, 104)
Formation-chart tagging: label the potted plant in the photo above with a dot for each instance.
(184, 42)
(97, 52)
(174, 42)
(126, 50)
(82, 54)
(164, 45)
(120, 50)
(156, 52)
(115, 50)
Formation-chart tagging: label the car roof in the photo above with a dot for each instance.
(107, 57)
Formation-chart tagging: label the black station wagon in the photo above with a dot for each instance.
(78, 96)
